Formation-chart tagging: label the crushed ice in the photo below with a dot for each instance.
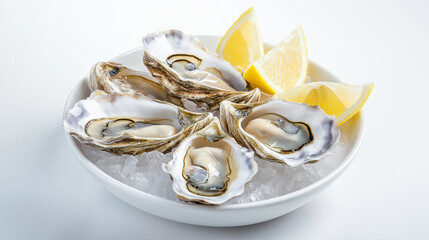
(144, 173)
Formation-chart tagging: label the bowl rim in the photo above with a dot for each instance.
(175, 204)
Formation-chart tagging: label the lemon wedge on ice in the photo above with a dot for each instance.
(339, 99)
(284, 67)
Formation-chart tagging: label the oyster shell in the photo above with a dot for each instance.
(209, 167)
(112, 77)
(186, 69)
(287, 132)
(131, 124)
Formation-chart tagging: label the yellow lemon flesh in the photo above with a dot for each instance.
(284, 67)
(242, 43)
(339, 99)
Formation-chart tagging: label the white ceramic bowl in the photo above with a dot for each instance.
(218, 216)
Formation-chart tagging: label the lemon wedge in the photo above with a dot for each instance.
(242, 43)
(339, 99)
(283, 67)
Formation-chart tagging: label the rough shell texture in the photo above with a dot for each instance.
(323, 127)
(246, 166)
(160, 46)
(112, 77)
(126, 105)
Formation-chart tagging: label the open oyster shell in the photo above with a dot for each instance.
(287, 132)
(209, 167)
(186, 69)
(131, 124)
(112, 77)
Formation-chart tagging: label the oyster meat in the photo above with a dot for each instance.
(277, 132)
(186, 69)
(105, 128)
(287, 132)
(131, 123)
(112, 77)
(209, 167)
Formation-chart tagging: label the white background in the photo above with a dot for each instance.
(47, 46)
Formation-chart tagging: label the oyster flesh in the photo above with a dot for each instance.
(131, 124)
(112, 77)
(209, 167)
(287, 132)
(186, 69)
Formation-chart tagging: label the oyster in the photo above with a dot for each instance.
(287, 132)
(112, 77)
(186, 69)
(209, 167)
(131, 124)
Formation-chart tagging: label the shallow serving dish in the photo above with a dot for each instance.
(226, 215)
